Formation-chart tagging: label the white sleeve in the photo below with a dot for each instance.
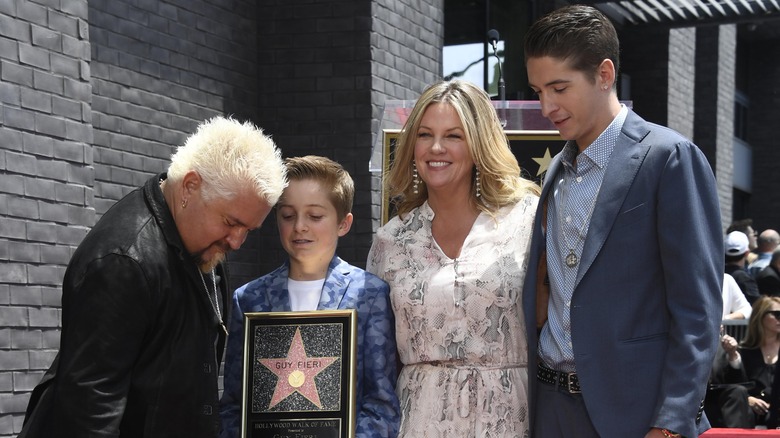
(733, 298)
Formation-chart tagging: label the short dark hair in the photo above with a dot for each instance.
(740, 225)
(578, 34)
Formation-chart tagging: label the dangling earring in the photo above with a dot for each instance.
(183, 203)
(478, 183)
(415, 179)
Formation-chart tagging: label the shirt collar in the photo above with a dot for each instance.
(601, 149)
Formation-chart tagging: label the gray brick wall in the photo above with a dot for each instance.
(326, 69)
(95, 96)
(644, 55)
(406, 43)
(682, 75)
(313, 79)
(727, 45)
(46, 183)
(714, 128)
(158, 69)
(297, 82)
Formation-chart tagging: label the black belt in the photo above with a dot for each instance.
(567, 381)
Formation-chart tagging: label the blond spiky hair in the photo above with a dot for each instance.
(230, 156)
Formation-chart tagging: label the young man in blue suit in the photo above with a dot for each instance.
(313, 212)
(623, 291)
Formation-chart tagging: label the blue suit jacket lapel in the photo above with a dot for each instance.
(621, 170)
(335, 286)
(278, 296)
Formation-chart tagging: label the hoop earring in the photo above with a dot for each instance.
(478, 183)
(415, 179)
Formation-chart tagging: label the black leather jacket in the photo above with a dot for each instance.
(141, 343)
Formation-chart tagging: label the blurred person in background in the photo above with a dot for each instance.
(752, 363)
(767, 242)
(737, 249)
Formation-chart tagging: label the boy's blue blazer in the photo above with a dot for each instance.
(346, 287)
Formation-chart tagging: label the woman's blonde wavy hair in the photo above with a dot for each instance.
(755, 332)
(500, 180)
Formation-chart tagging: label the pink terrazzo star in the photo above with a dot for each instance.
(296, 372)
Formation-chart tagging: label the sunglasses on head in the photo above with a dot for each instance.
(775, 313)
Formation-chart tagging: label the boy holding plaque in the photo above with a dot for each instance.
(313, 212)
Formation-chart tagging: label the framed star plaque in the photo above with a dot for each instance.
(299, 374)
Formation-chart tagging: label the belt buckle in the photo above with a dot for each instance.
(570, 384)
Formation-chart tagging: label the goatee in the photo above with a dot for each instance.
(207, 265)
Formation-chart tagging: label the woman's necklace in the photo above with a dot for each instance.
(769, 352)
(213, 299)
(571, 260)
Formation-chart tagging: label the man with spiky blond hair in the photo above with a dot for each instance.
(143, 302)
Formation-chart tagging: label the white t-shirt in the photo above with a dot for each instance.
(733, 298)
(305, 295)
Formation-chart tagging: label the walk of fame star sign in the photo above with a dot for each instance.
(296, 372)
(299, 374)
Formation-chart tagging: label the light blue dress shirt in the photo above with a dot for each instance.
(569, 210)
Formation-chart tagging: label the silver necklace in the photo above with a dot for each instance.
(215, 301)
(571, 260)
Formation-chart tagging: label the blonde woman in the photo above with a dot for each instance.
(755, 359)
(455, 258)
